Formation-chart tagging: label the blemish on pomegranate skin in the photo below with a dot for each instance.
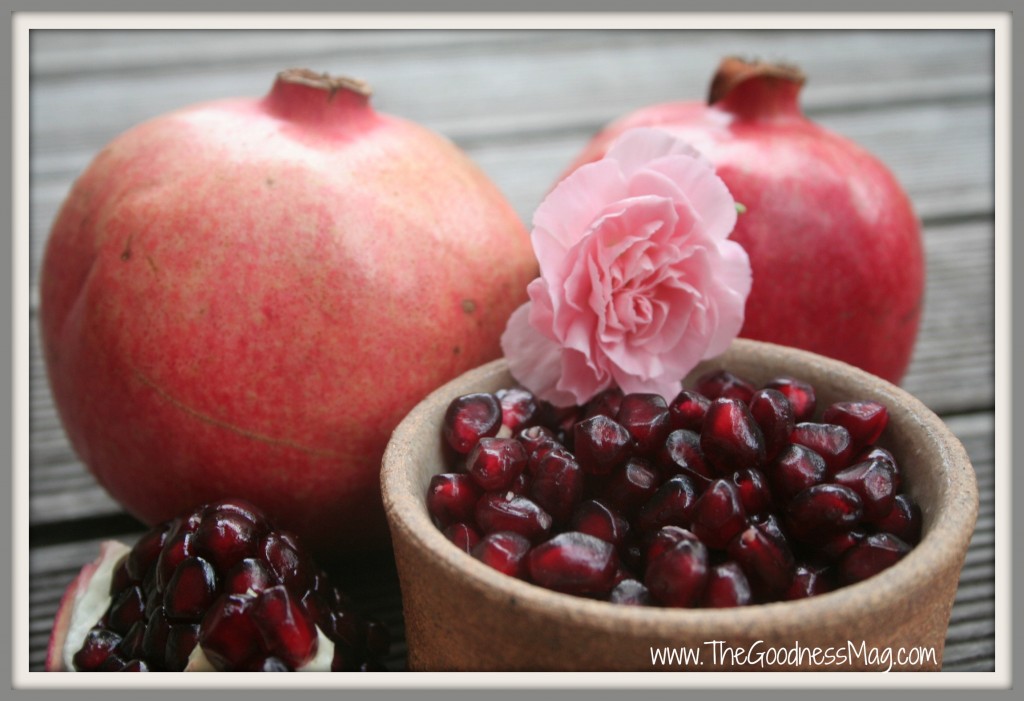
(468, 306)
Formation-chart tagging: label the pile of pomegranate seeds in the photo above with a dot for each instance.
(222, 578)
(728, 495)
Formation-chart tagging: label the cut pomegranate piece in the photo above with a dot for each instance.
(687, 410)
(795, 470)
(875, 484)
(671, 505)
(774, 416)
(719, 384)
(452, 497)
(503, 551)
(678, 575)
(506, 511)
(727, 587)
(831, 442)
(557, 485)
(470, 418)
(800, 394)
(161, 606)
(645, 417)
(631, 486)
(630, 592)
(875, 553)
(864, 420)
(731, 440)
(600, 444)
(822, 511)
(718, 514)
(574, 563)
(903, 520)
(518, 408)
(599, 520)
(494, 463)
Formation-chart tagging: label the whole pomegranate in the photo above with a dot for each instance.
(243, 298)
(834, 244)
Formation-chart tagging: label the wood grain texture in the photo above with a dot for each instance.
(522, 103)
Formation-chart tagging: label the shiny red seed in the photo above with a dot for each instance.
(605, 403)
(727, 587)
(154, 641)
(518, 408)
(250, 576)
(574, 563)
(834, 547)
(724, 384)
(98, 646)
(176, 550)
(226, 539)
(774, 416)
(289, 563)
(181, 641)
(463, 535)
(872, 555)
(135, 666)
(505, 511)
(682, 454)
(503, 551)
(559, 419)
(878, 453)
(470, 418)
(687, 410)
(631, 486)
(191, 590)
(822, 511)
(228, 633)
(865, 420)
(755, 494)
(452, 497)
(599, 520)
(875, 484)
(664, 539)
(131, 644)
(677, 577)
(494, 463)
(126, 609)
(765, 557)
(800, 394)
(285, 629)
(808, 581)
(671, 505)
(600, 444)
(557, 485)
(903, 520)
(795, 470)
(731, 440)
(831, 442)
(630, 592)
(645, 417)
(533, 437)
(718, 514)
(144, 553)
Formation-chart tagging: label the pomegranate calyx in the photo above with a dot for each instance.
(325, 81)
(756, 90)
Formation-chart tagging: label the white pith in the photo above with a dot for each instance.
(92, 597)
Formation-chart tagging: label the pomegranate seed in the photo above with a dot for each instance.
(722, 384)
(144, 553)
(874, 483)
(681, 454)
(800, 395)
(228, 634)
(505, 511)
(452, 497)
(822, 511)
(765, 557)
(631, 486)
(597, 519)
(503, 551)
(98, 646)
(677, 577)
(494, 463)
(903, 520)
(808, 581)
(829, 441)
(872, 555)
(154, 642)
(687, 410)
(521, 485)
(534, 437)
(718, 514)
(463, 535)
(131, 644)
(518, 408)
(605, 403)
(727, 587)
(557, 484)
(877, 453)
(250, 576)
(671, 505)
(601, 444)
(470, 418)
(558, 419)
(645, 417)
(630, 592)
(284, 629)
(755, 494)
(181, 640)
(774, 416)
(191, 590)
(665, 539)
(126, 609)
(113, 663)
(574, 563)
(731, 439)
(834, 547)
(135, 666)
(176, 550)
(796, 469)
(288, 563)
(864, 420)
(227, 540)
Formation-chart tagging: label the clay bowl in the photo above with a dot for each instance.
(460, 615)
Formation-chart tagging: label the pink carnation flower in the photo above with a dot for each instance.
(638, 278)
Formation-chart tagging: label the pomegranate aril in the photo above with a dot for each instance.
(820, 512)
(645, 417)
(131, 643)
(518, 408)
(630, 592)
(727, 587)
(452, 497)
(287, 561)
(630, 486)
(682, 454)
(226, 539)
(834, 547)
(731, 439)
(903, 520)
(872, 555)
(774, 416)
(687, 410)
(795, 470)
(557, 485)
(753, 489)
(286, 631)
(271, 664)
(503, 551)
(181, 640)
(494, 463)
(469, 418)
(505, 511)
(719, 384)
(154, 641)
(463, 535)
(250, 576)
(135, 666)
(808, 581)
(176, 550)
(765, 557)
(600, 444)
(574, 563)
(599, 520)
(678, 575)
(559, 419)
(228, 634)
(877, 453)
(144, 553)
(718, 514)
(865, 420)
(98, 646)
(113, 663)
(533, 437)
(665, 539)
(125, 610)
(875, 484)
(800, 394)
(191, 590)
(671, 505)
(831, 442)
(605, 403)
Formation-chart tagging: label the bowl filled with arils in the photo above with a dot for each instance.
(784, 512)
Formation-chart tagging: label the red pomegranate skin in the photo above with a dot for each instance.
(243, 298)
(834, 244)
